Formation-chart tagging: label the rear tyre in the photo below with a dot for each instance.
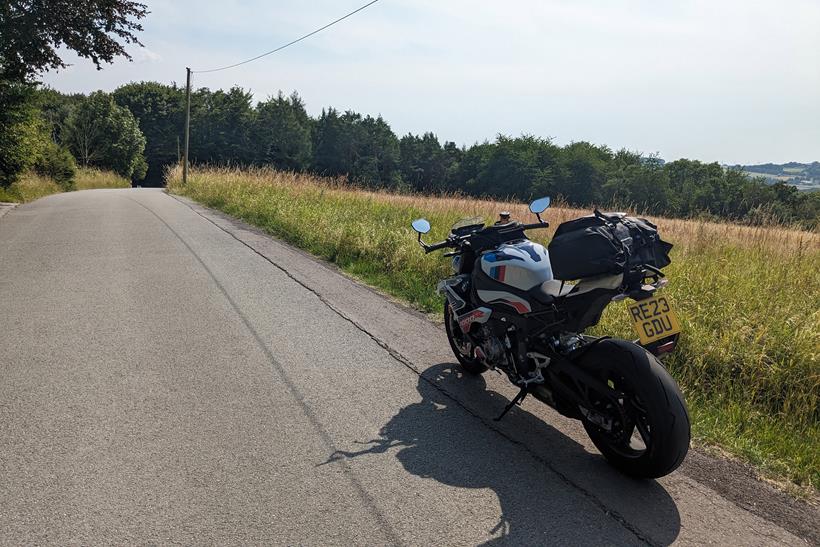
(650, 432)
(462, 346)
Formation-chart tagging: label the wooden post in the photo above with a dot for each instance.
(187, 124)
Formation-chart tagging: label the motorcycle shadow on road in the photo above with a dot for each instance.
(551, 492)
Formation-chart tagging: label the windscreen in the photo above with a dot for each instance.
(468, 222)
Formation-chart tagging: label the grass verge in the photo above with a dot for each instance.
(29, 187)
(748, 298)
(32, 186)
(89, 178)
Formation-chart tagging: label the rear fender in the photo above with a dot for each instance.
(571, 373)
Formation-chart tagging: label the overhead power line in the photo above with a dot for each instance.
(280, 48)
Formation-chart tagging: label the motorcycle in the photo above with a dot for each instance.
(521, 309)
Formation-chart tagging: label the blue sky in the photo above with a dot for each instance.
(736, 81)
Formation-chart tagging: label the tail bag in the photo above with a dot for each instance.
(606, 243)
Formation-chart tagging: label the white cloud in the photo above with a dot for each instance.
(145, 55)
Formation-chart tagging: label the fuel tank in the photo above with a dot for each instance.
(505, 274)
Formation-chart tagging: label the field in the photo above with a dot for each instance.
(748, 297)
(782, 178)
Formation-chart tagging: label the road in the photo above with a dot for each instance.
(170, 375)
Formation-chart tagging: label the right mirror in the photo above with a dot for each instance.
(421, 225)
(540, 205)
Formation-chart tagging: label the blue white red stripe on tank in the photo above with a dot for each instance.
(498, 272)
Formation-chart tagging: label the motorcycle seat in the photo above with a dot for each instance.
(548, 291)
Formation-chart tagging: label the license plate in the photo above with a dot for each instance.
(653, 319)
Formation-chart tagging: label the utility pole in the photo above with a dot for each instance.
(187, 124)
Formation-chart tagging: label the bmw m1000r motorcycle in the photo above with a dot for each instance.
(519, 308)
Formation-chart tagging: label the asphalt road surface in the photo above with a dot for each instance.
(171, 376)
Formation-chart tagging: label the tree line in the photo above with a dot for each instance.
(228, 127)
(137, 131)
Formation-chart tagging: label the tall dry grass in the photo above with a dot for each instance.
(89, 178)
(31, 186)
(748, 297)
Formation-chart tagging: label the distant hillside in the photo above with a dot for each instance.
(804, 176)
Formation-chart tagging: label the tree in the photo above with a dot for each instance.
(694, 186)
(55, 108)
(220, 126)
(160, 111)
(21, 131)
(377, 153)
(332, 144)
(363, 148)
(102, 134)
(425, 165)
(584, 168)
(636, 181)
(514, 167)
(473, 162)
(281, 134)
(31, 33)
(56, 163)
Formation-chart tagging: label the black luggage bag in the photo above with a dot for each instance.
(605, 243)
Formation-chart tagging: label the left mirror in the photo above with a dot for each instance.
(421, 225)
(540, 205)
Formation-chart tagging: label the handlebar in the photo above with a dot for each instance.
(436, 246)
(453, 241)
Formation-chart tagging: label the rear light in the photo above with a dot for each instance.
(666, 347)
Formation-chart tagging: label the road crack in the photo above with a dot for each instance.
(396, 355)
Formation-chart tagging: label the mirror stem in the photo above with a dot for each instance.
(423, 246)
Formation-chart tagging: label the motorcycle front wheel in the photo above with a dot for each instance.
(461, 344)
(645, 431)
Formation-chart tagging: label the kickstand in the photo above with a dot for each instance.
(516, 401)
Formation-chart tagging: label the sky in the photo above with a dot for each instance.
(734, 81)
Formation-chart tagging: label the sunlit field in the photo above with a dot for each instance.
(748, 297)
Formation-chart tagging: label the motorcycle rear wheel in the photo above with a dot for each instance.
(650, 433)
(461, 346)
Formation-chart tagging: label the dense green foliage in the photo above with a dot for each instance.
(159, 110)
(20, 131)
(56, 163)
(32, 33)
(102, 134)
(227, 128)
